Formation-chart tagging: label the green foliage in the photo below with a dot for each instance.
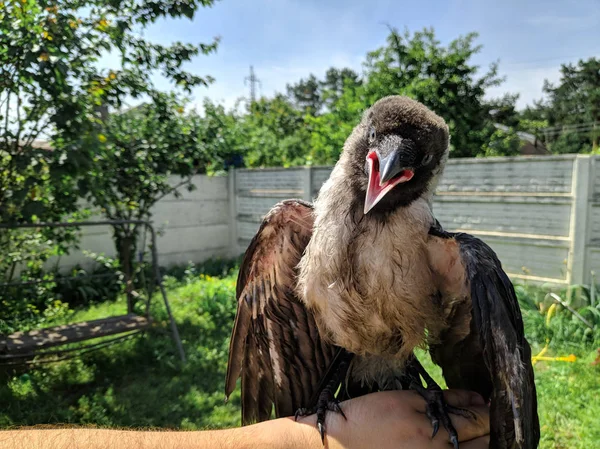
(141, 384)
(306, 95)
(223, 138)
(311, 95)
(50, 85)
(49, 294)
(311, 128)
(532, 125)
(214, 267)
(140, 153)
(276, 134)
(572, 108)
(24, 254)
(52, 89)
(442, 78)
(336, 82)
(502, 143)
(329, 131)
(76, 289)
(561, 328)
(570, 142)
(141, 148)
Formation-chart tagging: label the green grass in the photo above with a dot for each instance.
(140, 383)
(568, 400)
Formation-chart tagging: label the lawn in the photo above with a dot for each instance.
(141, 383)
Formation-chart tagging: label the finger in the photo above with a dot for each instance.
(462, 398)
(477, 426)
(477, 443)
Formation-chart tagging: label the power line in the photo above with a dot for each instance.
(569, 131)
(253, 80)
(574, 127)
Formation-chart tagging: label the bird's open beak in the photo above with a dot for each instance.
(384, 175)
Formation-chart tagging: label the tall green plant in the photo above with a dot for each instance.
(54, 97)
(443, 77)
(571, 109)
(134, 167)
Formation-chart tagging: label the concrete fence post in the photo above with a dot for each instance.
(307, 184)
(579, 224)
(232, 199)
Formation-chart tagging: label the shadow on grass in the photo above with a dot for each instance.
(139, 383)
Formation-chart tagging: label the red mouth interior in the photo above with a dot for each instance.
(403, 176)
(376, 190)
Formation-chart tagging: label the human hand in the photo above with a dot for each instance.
(397, 419)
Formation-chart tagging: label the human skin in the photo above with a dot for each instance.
(392, 419)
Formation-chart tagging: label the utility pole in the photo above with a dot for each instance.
(253, 80)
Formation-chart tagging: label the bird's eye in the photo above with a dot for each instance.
(372, 134)
(427, 159)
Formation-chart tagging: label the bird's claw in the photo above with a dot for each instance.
(438, 411)
(326, 400)
(334, 406)
(454, 440)
(321, 427)
(325, 404)
(436, 426)
(302, 412)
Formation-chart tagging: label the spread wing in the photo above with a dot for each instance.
(495, 339)
(275, 345)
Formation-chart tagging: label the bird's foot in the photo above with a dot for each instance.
(438, 410)
(326, 400)
(325, 403)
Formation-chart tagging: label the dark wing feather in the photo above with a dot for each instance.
(275, 345)
(498, 340)
(506, 352)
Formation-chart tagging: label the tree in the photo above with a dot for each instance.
(335, 82)
(51, 86)
(306, 95)
(502, 142)
(572, 108)
(276, 134)
(141, 149)
(52, 89)
(329, 131)
(223, 137)
(311, 95)
(442, 78)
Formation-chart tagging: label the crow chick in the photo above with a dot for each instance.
(342, 292)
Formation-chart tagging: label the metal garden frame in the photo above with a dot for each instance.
(14, 349)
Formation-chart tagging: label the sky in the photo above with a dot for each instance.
(286, 40)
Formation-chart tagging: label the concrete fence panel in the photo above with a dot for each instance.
(540, 214)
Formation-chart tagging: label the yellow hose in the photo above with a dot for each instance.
(570, 358)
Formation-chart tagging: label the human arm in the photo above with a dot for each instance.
(281, 433)
(388, 419)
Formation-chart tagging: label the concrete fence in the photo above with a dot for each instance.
(540, 214)
(193, 227)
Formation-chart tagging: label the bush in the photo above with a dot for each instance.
(557, 325)
(48, 295)
(214, 267)
(77, 288)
